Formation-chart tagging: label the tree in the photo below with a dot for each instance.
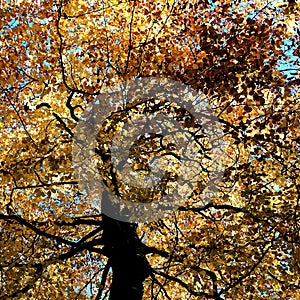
(57, 57)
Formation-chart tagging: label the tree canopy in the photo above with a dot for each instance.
(56, 57)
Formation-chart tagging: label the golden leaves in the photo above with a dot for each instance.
(216, 48)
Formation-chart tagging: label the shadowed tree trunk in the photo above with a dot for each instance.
(127, 257)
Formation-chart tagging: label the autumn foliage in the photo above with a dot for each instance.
(57, 56)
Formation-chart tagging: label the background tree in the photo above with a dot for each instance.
(56, 57)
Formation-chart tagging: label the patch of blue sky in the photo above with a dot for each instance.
(24, 43)
(44, 21)
(76, 49)
(13, 23)
(289, 67)
(47, 64)
(277, 188)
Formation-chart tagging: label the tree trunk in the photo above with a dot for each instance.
(129, 264)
